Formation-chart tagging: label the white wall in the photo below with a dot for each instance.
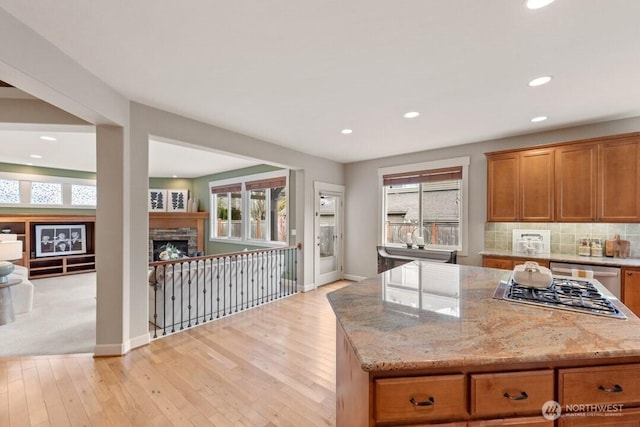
(362, 209)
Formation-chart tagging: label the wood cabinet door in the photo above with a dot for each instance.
(576, 178)
(492, 262)
(536, 185)
(502, 187)
(631, 289)
(619, 180)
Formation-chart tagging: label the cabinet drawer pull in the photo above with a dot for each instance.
(429, 402)
(522, 396)
(615, 389)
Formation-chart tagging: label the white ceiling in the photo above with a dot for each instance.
(75, 149)
(297, 72)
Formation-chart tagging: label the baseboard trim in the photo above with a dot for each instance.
(109, 350)
(120, 349)
(306, 288)
(139, 341)
(354, 278)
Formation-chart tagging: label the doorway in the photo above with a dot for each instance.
(329, 214)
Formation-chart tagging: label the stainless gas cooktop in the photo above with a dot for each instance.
(565, 293)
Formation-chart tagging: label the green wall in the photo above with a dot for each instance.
(172, 183)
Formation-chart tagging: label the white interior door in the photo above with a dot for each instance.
(328, 257)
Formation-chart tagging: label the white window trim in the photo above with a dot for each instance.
(245, 209)
(435, 164)
(25, 190)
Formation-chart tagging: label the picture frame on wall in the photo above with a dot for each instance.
(157, 200)
(60, 239)
(177, 200)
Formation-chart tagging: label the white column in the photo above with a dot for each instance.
(111, 243)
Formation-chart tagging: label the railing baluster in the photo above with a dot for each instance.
(259, 276)
(218, 290)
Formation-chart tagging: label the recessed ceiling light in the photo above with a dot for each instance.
(346, 131)
(35, 156)
(48, 138)
(538, 4)
(411, 114)
(539, 81)
(539, 119)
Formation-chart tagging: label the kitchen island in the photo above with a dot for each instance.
(427, 343)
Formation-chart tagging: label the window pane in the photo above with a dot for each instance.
(441, 213)
(44, 193)
(9, 191)
(222, 216)
(278, 214)
(236, 215)
(258, 215)
(403, 210)
(83, 195)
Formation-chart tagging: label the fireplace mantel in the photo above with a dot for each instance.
(170, 220)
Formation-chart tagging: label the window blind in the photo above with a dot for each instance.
(229, 188)
(261, 184)
(434, 175)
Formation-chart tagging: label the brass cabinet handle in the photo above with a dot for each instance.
(615, 389)
(522, 396)
(429, 402)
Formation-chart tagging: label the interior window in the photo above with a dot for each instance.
(46, 193)
(83, 195)
(9, 191)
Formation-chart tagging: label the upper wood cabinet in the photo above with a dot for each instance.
(536, 185)
(582, 181)
(576, 177)
(502, 187)
(520, 186)
(619, 180)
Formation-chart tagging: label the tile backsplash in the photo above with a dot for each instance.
(564, 236)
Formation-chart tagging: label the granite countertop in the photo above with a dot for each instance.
(574, 259)
(468, 327)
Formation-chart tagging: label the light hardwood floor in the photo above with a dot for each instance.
(269, 366)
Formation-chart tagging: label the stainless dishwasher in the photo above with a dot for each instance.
(607, 275)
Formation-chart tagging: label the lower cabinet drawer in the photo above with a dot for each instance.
(520, 422)
(511, 393)
(600, 384)
(416, 399)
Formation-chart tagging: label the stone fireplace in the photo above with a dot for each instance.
(159, 245)
(167, 227)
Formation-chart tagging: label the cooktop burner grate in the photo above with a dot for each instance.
(564, 293)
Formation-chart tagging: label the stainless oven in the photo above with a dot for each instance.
(609, 276)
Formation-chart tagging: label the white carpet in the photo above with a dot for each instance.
(63, 319)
